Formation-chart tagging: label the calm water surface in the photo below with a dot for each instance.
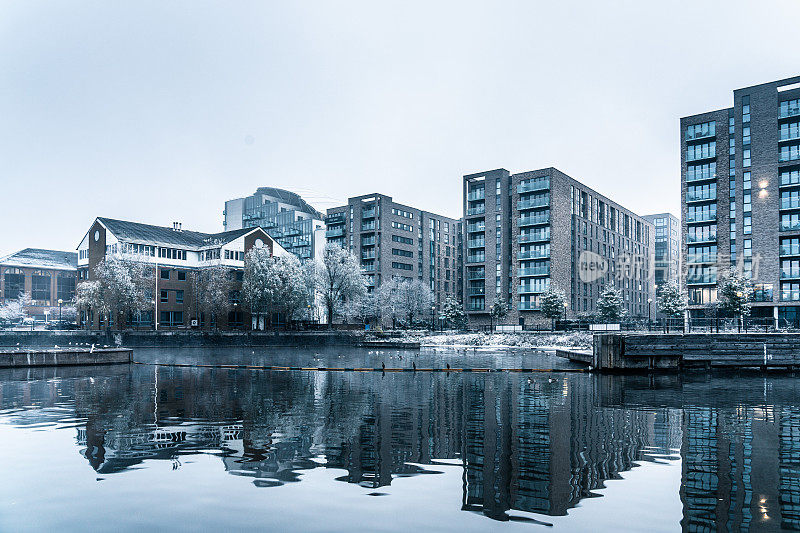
(151, 447)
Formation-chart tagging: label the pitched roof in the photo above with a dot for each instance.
(146, 233)
(40, 258)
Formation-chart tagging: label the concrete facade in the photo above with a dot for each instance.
(740, 187)
(393, 240)
(511, 252)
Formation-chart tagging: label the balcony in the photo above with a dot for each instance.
(476, 243)
(790, 134)
(790, 295)
(790, 274)
(535, 184)
(368, 254)
(790, 225)
(534, 254)
(335, 218)
(790, 203)
(787, 111)
(479, 210)
(476, 291)
(700, 176)
(699, 155)
(701, 197)
(536, 236)
(534, 220)
(476, 227)
(476, 274)
(706, 279)
(694, 259)
(477, 194)
(335, 232)
(370, 226)
(705, 216)
(537, 271)
(369, 241)
(711, 237)
(528, 306)
(478, 258)
(789, 153)
(476, 307)
(790, 249)
(533, 203)
(532, 289)
(368, 213)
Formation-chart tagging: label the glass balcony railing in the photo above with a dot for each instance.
(334, 232)
(701, 196)
(532, 289)
(477, 194)
(476, 307)
(476, 274)
(790, 273)
(706, 237)
(336, 218)
(479, 210)
(790, 249)
(368, 227)
(476, 227)
(787, 111)
(790, 295)
(534, 220)
(370, 254)
(368, 213)
(476, 243)
(476, 291)
(533, 203)
(368, 242)
(528, 306)
(705, 216)
(701, 258)
(536, 236)
(789, 225)
(701, 279)
(790, 203)
(790, 134)
(368, 268)
(480, 258)
(535, 184)
(536, 271)
(534, 254)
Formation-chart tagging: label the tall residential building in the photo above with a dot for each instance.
(667, 247)
(397, 241)
(289, 219)
(512, 254)
(744, 161)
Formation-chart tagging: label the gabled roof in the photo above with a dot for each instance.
(165, 236)
(40, 258)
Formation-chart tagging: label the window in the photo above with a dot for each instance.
(697, 131)
(164, 297)
(748, 224)
(746, 157)
(402, 213)
(746, 183)
(40, 286)
(403, 253)
(181, 275)
(401, 226)
(234, 297)
(789, 108)
(65, 286)
(762, 292)
(164, 273)
(171, 318)
(402, 266)
(14, 282)
(745, 108)
(701, 151)
(179, 297)
(401, 239)
(700, 172)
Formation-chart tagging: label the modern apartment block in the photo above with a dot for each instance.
(289, 219)
(174, 257)
(740, 186)
(667, 247)
(526, 231)
(393, 240)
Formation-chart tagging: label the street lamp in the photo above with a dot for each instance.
(60, 303)
(566, 305)
(433, 317)
(649, 304)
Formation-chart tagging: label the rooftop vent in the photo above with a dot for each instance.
(176, 226)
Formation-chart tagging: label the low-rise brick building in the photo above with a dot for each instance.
(46, 276)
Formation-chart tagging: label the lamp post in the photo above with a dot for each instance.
(566, 305)
(649, 305)
(235, 307)
(433, 317)
(60, 303)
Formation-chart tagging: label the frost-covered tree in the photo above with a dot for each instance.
(498, 311)
(364, 308)
(453, 313)
(119, 289)
(671, 303)
(274, 284)
(610, 305)
(338, 279)
(212, 289)
(552, 303)
(14, 310)
(735, 293)
(413, 298)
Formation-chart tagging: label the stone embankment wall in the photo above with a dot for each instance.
(626, 352)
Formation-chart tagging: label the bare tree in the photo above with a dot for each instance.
(408, 298)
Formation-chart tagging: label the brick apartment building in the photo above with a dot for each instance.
(394, 240)
(529, 230)
(176, 256)
(740, 198)
(46, 276)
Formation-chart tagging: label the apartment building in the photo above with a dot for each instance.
(289, 219)
(667, 248)
(176, 256)
(740, 187)
(394, 240)
(526, 231)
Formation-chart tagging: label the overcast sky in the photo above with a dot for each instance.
(161, 111)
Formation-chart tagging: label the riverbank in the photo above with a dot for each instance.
(17, 358)
(526, 340)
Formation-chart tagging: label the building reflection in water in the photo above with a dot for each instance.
(533, 444)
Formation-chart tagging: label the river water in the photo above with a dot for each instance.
(153, 447)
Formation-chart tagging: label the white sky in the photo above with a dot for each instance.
(144, 112)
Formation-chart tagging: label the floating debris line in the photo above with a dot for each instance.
(362, 369)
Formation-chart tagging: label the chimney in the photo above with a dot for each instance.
(176, 226)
